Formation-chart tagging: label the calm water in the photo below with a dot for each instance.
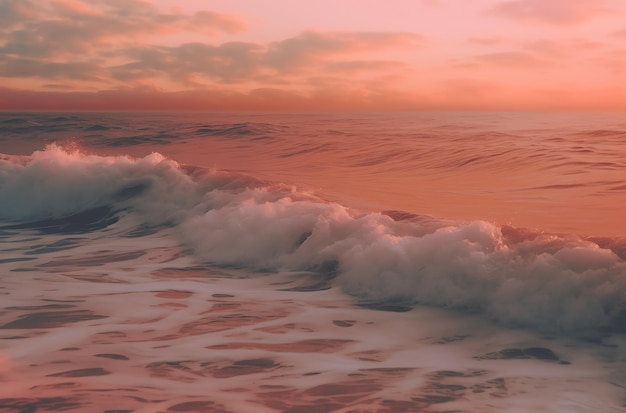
(562, 173)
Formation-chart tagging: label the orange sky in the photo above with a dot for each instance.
(312, 55)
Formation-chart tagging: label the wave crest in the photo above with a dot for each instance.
(56, 183)
(518, 277)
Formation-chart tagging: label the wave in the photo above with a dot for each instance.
(518, 277)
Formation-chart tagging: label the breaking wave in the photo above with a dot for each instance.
(517, 277)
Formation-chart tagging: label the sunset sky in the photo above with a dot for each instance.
(313, 55)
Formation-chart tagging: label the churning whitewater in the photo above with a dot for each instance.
(514, 276)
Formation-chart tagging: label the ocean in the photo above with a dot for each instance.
(313, 262)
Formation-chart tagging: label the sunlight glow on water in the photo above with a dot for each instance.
(552, 172)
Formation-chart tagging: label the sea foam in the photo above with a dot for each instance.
(542, 281)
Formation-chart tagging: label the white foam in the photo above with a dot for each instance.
(198, 322)
(55, 183)
(578, 286)
(546, 282)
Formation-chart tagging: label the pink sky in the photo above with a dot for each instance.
(313, 55)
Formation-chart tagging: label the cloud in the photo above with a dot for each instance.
(311, 46)
(12, 12)
(511, 59)
(27, 67)
(560, 12)
(280, 62)
(547, 47)
(552, 49)
(200, 64)
(62, 27)
(364, 66)
(264, 98)
(71, 48)
(228, 63)
(460, 93)
(78, 41)
(103, 44)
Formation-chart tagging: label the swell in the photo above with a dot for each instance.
(368, 144)
(515, 276)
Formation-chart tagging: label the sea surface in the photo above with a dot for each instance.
(313, 262)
